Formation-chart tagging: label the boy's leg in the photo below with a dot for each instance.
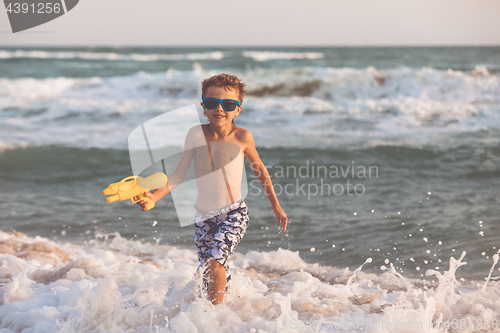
(232, 227)
(203, 239)
(217, 281)
(216, 240)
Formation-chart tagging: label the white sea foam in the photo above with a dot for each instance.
(269, 55)
(407, 106)
(111, 56)
(120, 285)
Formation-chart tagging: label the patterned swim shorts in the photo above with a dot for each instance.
(217, 237)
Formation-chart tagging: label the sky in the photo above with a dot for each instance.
(266, 23)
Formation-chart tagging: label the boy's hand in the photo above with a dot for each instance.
(144, 203)
(280, 217)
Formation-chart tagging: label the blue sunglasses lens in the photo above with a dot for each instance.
(210, 103)
(229, 105)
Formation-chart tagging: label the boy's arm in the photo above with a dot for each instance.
(176, 177)
(260, 171)
(174, 180)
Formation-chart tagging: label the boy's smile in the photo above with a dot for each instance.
(218, 116)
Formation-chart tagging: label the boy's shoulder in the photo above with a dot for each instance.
(243, 134)
(195, 137)
(195, 129)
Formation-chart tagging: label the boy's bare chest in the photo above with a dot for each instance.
(216, 154)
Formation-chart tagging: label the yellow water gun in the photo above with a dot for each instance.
(135, 186)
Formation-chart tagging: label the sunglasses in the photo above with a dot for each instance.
(211, 103)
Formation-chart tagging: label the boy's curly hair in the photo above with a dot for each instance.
(228, 81)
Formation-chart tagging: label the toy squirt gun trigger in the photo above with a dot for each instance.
(135, 186)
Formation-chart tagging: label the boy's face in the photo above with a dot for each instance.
(218, 116)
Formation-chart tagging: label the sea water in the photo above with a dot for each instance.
(386, 161)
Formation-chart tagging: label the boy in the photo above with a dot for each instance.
(221, 214)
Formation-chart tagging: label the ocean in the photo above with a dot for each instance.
(386, 161)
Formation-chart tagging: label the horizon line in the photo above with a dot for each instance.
(250, 45)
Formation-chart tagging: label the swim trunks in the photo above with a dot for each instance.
(217, 233)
